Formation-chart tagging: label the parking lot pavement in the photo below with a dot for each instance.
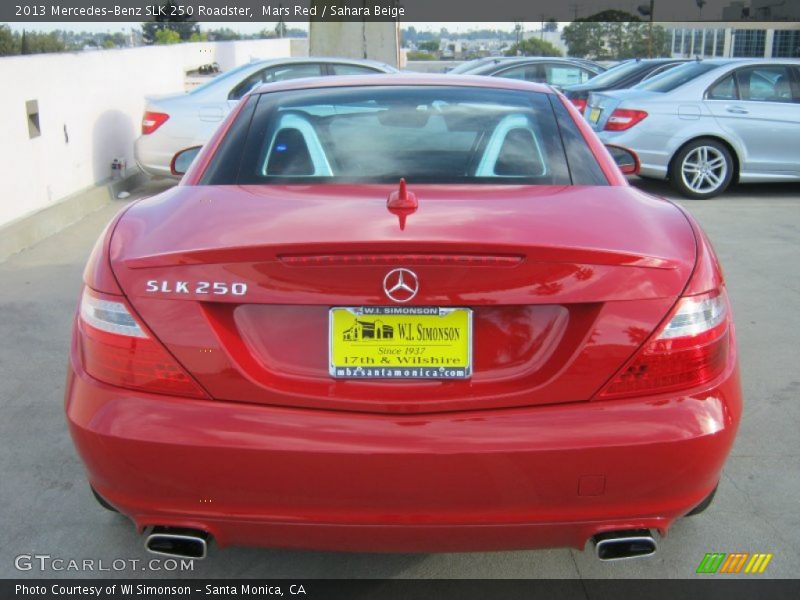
(46, 506)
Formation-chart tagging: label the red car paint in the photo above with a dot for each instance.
(567, 284)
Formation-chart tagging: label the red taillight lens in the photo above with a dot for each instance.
(580, 104)
(690, 350)
(117, 350)
(152, 121)
(623, 118)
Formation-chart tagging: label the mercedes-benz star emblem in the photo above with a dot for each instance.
(401, 285)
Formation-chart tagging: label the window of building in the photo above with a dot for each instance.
(749, 43)
(697, 42)
(714, 43)
(786, 44)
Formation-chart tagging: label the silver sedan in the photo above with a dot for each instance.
(172, 123)
(710, 123)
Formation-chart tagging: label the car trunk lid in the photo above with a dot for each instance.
(601, 105)
(564, 283)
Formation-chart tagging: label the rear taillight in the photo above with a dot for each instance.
(580, 104)
(623, 118)
(152, 121)
(689, 350)
(116, 349)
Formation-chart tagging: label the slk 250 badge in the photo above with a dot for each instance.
(213, 288)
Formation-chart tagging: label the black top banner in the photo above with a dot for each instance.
(396, 10)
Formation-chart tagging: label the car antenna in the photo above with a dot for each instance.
(402, 203)
(402, 198)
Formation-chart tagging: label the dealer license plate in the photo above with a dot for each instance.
(400, 342)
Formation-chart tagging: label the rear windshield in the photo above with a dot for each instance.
(473, 64)
(618, 73)
(675, 77)
(221, 77)
(425, 134)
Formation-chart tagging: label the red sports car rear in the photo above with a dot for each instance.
(404, 314)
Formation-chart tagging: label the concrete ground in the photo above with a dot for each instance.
(46, 507)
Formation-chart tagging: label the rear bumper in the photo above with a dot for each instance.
(154, 155)
(502, 479)
(654, 152)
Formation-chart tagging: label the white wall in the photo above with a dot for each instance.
(97, 98)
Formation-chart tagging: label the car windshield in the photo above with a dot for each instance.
(676, 77)
(433, 134)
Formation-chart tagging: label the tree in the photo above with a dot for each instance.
(429, 46)
(223, 35)
(533, 47)
(662, 43)
(584, 38)
(120, 39)
(613, 34)
(167, 36)
(9, 43)
(416, 55)
(24, 45)
(551, 25)
(182, 25)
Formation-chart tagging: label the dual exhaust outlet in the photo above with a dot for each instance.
(621, 545)
(180, 542)
(177, 542)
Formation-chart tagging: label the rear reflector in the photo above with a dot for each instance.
(690, 350)
(623, 118)
(117, 350)
(152, 121)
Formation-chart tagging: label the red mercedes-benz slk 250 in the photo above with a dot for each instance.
(400, 313)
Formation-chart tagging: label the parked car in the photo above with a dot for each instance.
(710, 123)
(558, 72)
(620, 76)
(173, 122)
(403, 313)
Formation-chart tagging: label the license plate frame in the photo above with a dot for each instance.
(428, 359)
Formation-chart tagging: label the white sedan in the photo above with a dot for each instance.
(178, 121)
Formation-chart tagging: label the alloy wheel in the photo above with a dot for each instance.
(704, 169)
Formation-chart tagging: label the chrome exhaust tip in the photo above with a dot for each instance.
(177, 542)
(622, 545)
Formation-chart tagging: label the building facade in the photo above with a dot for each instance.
(735, 39)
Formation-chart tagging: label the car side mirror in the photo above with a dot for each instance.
(183, 160)
(626, 160)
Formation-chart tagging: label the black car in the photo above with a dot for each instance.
(558, 72)
(622, 76)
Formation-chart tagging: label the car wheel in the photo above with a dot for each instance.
(702, 169)
(703, 505)
(103, 502)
